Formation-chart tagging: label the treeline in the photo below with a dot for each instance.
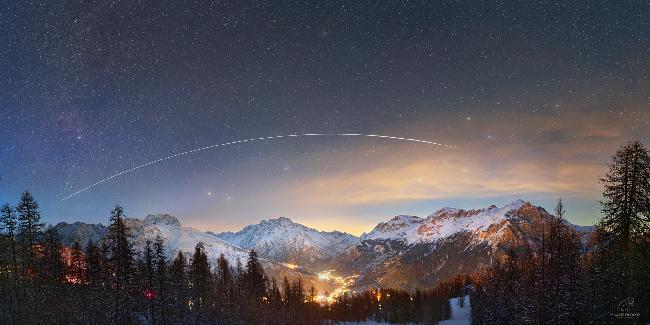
(392, 306)
(560, 280)
(112, 282)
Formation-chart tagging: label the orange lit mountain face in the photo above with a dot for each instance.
(405, 252)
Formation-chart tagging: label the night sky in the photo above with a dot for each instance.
(536, 96)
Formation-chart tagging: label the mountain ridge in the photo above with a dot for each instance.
(404, 251)
(291, 242)
(410, 252)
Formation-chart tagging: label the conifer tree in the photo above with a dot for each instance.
(312, 294)
(29, 226)
(147, 276)
(201, 279)
(148, 264)
(77, 264)
(161, 276)
(238, 280)
(565, 282)
(275, 297)
(8, 225)
(121, 262)
(622, 259)
(298, 291)
(255, 281)
(286, 289)
(223, 287)
(76, 276)
(93, 265)
(51, 264)
(179, 297)
(626, 207)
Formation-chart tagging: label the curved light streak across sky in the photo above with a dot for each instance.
(251, 140)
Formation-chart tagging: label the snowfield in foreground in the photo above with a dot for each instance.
(459, 315)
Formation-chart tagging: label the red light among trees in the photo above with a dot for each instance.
(149, 294)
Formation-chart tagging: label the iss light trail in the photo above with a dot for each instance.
(252, 140)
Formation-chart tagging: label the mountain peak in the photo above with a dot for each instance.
(516, 204)
(282, 220)
(405, 218)
(445, 210)
(443, 223)
(162, 219)
(290, 242)
(278, 222)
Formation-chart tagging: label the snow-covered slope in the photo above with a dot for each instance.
(402, 227)
(179, 238)
(80, 232)
(176, 237)
(411, 252)
(290, 242)
(486, 224)
(404, 252)
(459, 315)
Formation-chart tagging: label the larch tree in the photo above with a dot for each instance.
(223, 287)
(161, 275)
(275, 297)
(52, 264)
(179, 297)
(256, 281)
(564, 285)
(201, 279)
(29, 226)
(9, 224)
(121, 261)
(93, 265)
(77, 264)
(626, 228)
(147, 276)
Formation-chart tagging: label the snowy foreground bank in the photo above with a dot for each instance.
(459, 316)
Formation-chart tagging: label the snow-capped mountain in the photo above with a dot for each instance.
(80, 232)
(412, 252)
(289, 242)
(400, 227)
(403, 252)
(176, 237)
(179, 238)
(488, 225)
(445, 223)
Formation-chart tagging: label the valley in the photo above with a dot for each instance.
(405, 252)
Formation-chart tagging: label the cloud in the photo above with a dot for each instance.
(465, 175)
(352, 185)
(551, 155)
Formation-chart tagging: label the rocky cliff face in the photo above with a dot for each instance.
(404, 252)
(284, 240)
(409, 252)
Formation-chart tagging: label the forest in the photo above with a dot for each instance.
(556, 279)
(109, 282)
(561, 280)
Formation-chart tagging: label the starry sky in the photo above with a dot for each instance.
(535, 95)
